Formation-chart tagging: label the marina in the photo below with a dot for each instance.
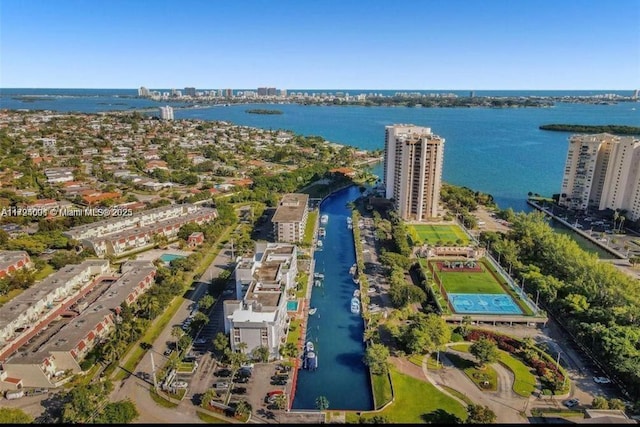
(337, 335)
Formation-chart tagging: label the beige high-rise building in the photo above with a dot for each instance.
(602, 171)
(290, 218)
(413, 170)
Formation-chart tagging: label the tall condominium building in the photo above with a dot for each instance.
(190, 91)
(602, 171)
(166, 113)
(290, 219)
(413, 170)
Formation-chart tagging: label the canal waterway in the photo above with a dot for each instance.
(337, 334)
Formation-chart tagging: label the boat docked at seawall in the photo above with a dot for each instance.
(349, 223)
(310, 358)
(355, 305)
(313, 310)
(324, 219)
(310, 361)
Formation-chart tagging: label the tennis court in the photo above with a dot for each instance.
(483, 304)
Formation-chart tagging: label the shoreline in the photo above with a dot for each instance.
(576, 230)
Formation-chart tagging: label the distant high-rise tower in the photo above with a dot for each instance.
(190, 91)
(228, 93)
(143, 92)
(602, 171)
(166, 113)
(413, 170)
(283, 93)
(262, 91)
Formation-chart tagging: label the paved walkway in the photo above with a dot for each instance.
(504, 402)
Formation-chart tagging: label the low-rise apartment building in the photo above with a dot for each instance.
(121, 235)
(258, 317)
(11, 261)
(32, 305)
(64, 351)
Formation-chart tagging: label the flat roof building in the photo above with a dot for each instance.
(290, 218)
(65, 349)
(258, 317)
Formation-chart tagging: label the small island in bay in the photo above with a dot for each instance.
(262, 111)
(612, 129)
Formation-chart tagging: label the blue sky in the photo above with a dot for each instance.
(321, 44)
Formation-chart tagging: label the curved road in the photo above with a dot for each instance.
(504, 402)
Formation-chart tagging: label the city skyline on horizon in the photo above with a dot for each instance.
(404, 45)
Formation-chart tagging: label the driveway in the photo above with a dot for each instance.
(504, 402)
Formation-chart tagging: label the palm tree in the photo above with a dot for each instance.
(243, 408)
(177, 333)
(616, 215)
(621, 218)
(322, 403)
(281, 401)
(241, 347)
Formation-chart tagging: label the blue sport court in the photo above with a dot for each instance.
(484, 304)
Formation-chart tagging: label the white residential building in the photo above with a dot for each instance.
(258, 317)
(602, 171)
(166, 113)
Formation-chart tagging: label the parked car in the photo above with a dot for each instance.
(200, 341)
(224, 372)
(239, 390)
(167, 352)
(601, 380)
(241, 379)
(571, 403)
(222, 385)
(180, 384)
(280, 381)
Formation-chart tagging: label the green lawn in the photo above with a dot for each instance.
(458, 394)
(478, 376)
(381, 390)
(434, 233)
(308, 231)
(210, 419)
(46, 270)
(418, 402)
(524, 383)
(295, 329)
(469, 283)
(432, 361)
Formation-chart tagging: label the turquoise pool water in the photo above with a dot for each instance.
(292, 305)
(170, 257)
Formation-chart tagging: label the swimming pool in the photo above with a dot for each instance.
(484, 304)
(292, 305)
(170, 257)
